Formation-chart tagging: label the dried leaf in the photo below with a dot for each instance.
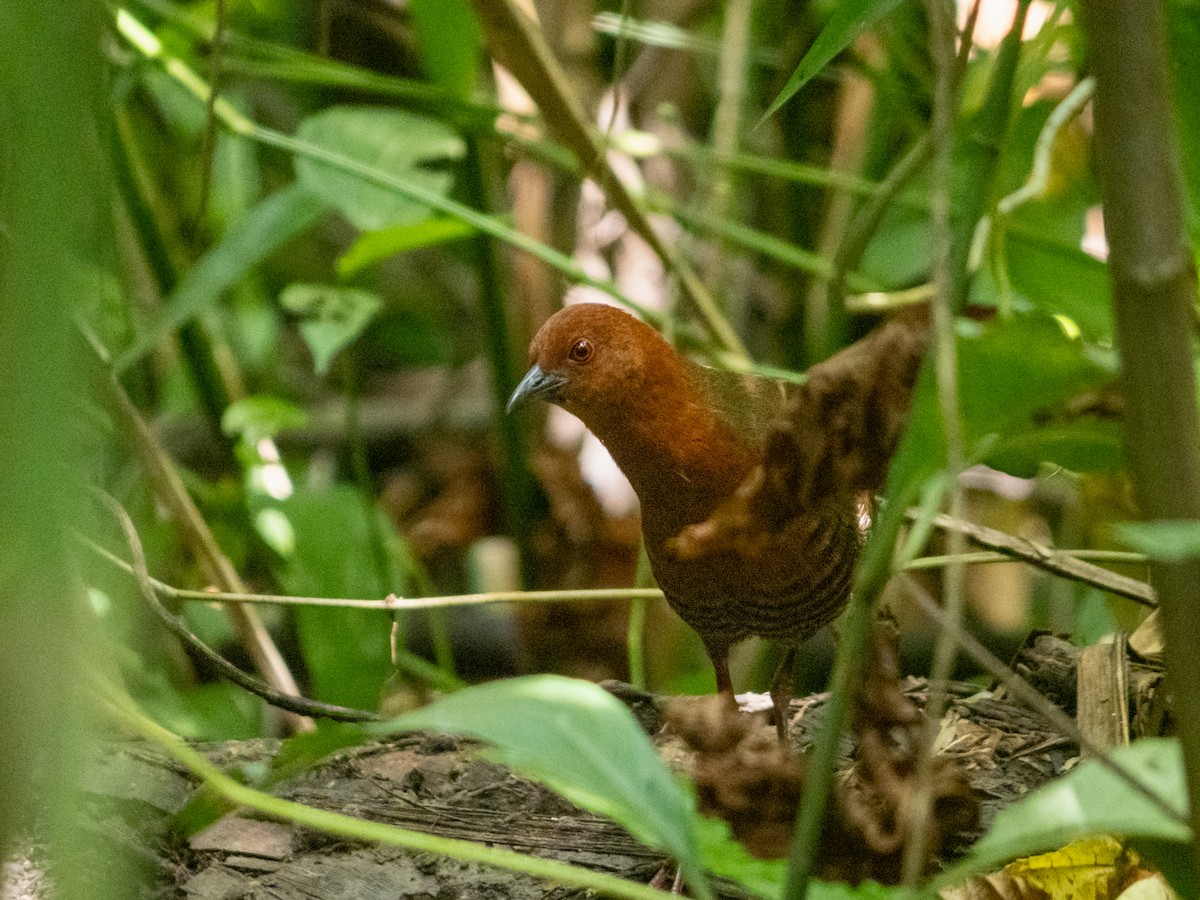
(841, 429)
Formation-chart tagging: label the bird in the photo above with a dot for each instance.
(686, 436)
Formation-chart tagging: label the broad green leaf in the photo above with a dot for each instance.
(580, 741)
(1059, 278)
(375, 246)
(850, 18)
(1090, 800)
(393, 141)
(1164, 540)
(1083, 445)
(332, 317)
(1014, 371)
(1012, 374)
(267, 227)
(449, 38)
(345, 651)
(261, 416)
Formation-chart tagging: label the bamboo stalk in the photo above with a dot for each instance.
(1153, 284)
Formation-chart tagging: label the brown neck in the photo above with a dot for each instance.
(681, 459)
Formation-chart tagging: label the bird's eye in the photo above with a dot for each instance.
(581, 351)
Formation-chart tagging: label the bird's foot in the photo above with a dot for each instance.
(659, 881)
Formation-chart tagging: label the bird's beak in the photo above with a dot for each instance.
(536, 385)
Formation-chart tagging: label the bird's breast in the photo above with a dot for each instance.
(799, 583)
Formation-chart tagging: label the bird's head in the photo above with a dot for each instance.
(592, 359)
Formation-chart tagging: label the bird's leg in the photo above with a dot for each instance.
(782, 687)
(720, 661)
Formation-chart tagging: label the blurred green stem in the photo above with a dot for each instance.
(942, 35)
(726, 130)
(517, 486)
(981, 152)
(52, 237)
(636, 638)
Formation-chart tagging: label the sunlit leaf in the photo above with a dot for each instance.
(374, 246)
(332, 317)
(394, 141)
(1082, 868)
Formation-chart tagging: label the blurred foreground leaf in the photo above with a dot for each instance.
(261, 416)
(374, 246)
(267, 227)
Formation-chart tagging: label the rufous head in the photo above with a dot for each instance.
(591, 359)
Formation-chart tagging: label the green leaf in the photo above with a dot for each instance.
(261, 416)
(332, 317)
(1014, 374)
(724, 856)
(1083, 445)
(580, 741)
(267, 227)
(449, 38)
(1059, 278)
(1090, 800)
(345, 651)
(392, 141)
(850, 18)
(302, 751)
(374, 246)
(1165, 540)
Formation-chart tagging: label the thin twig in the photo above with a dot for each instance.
(1056, 562)
(301, 706)
(391, 603)
(170, 489)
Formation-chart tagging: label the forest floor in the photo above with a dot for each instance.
(445, 786)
